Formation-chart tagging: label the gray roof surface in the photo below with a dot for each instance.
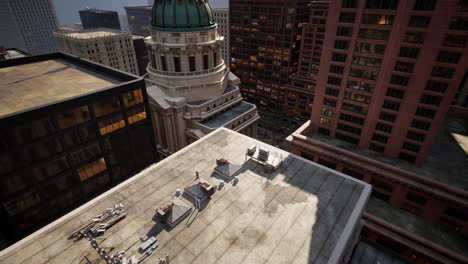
(300, 213)
(179, 209)
(227, 116)
(366, 253)
(446, 162)
(418, 226)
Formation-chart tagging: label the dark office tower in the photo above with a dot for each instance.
(141, 54)
(265, 44)
(70, 129)
(139, 19)
(28, 25)
(300, 91)
(93, 18)
(388, 73)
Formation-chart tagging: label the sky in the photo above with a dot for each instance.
(67, 10)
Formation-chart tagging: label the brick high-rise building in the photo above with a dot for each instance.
(28, 25)
(265, 38)
(389, 71)
(300, 92)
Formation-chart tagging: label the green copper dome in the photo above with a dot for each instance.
(182, 15)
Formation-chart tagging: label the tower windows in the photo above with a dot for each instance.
(177, 64)
(163, 63)
(192, 64)
(205, 61)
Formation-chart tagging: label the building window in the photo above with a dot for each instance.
(111, 124)
(380, 138)
(425, 112)
(106, 106)
(370, 48)
(360, 98)
(423, 125)
(416, 136)
(459, 23)
(425, 5)
(215, 59)
(387, 117)
(73, 117)
(404, 66)
(354, 108)
(407, 157)
(205, 62)
(416, 198)
(177, 64)
(408, 52)
(367, 61)
(336, 69)
(341, 44)
(411, 147)
(419, 21)
(454, 213)
(353, 174)
(340, 57)
(442, 72)
(363, 74)
(397, 93)
(136, 114)
(382, 4)
(384, 127)
(375, 34)
(326, 122)
(377, 19)
(430, 99)
(21, 203)
(352, 119)
(132, 98)
(349, 4)
(414, 37)
(395, 106)
(344, 31)
(334, 80)
(349, 129)
(332, 92)
(399, 80)
(192, 64)
(361, 86)
(328, 112)
(347, 17)
(329, 102)
(436, 86)
(324, 131)
(458, 41)
(92, 169)
(377, 148)
(449, 57)
(347, 138)
(327, 163)
(164, 63)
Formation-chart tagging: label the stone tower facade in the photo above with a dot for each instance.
(192, 91)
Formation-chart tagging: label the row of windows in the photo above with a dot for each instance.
(420, 5)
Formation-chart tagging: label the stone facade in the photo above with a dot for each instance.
(191, 90)
(109, 47)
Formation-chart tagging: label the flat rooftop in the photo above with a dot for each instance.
(37, 84)
(418, 226)
(446, 163)
(300, 213)
(90, 34)
(225, 117)
(13, 54)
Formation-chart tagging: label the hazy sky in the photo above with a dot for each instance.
(67, 10)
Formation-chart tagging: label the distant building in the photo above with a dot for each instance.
(109, 47)
(93, 18)
(221, 16)
(8, 54)
(141, 54)
(192, 91)
(139, 19)
(28, 25)
(70, 129)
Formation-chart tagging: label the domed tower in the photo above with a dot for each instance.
(192, 92)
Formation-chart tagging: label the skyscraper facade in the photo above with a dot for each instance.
(28, 25)
(300, 91)
(139, 19)
(221, 16)
(109, 47)
(93, 18)
(389, 71)
(265, 38)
